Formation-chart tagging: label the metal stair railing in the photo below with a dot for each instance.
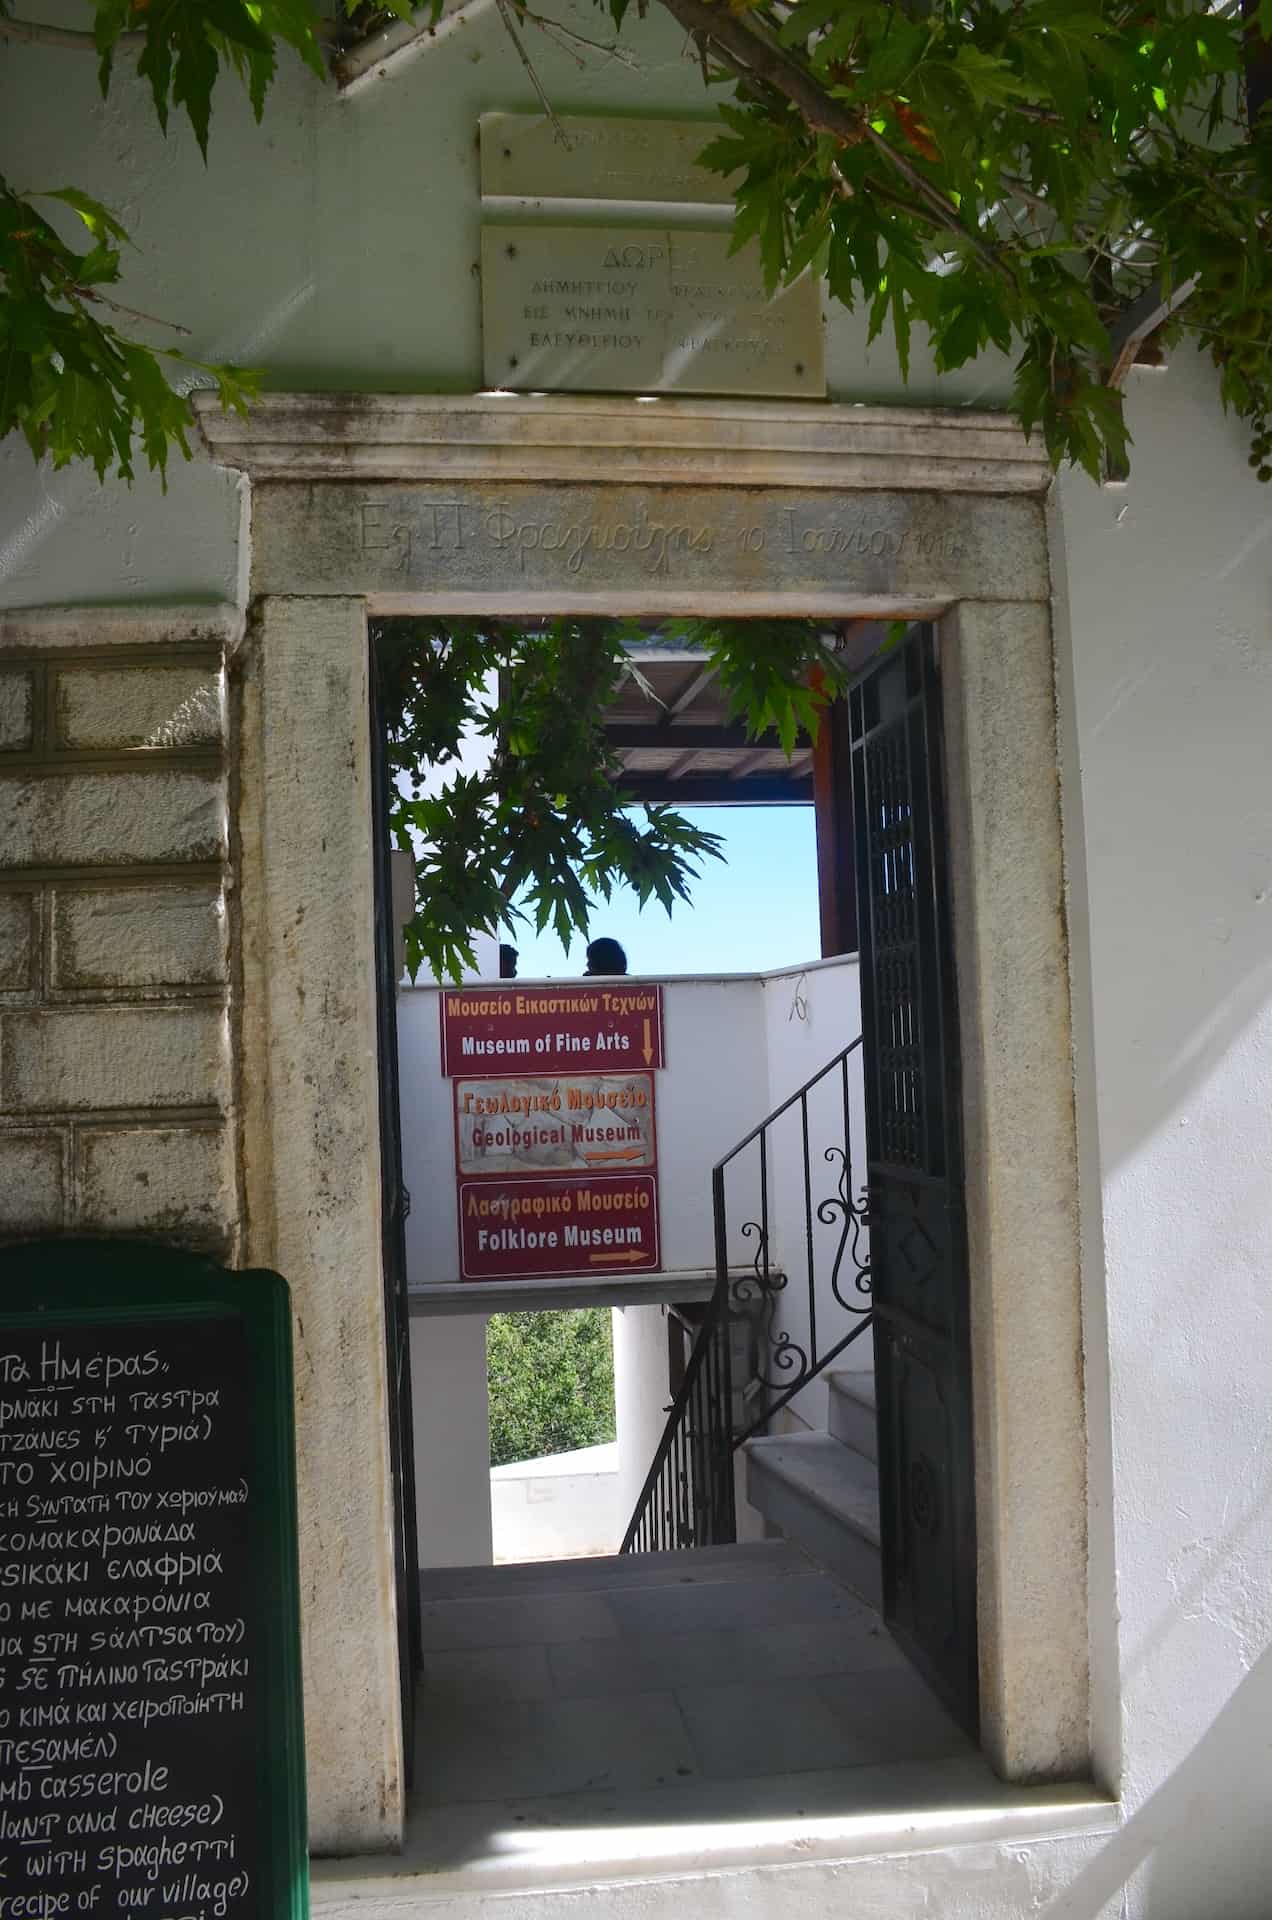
(688, 1497)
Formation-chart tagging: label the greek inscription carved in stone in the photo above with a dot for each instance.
(468, 538)
(654, 542)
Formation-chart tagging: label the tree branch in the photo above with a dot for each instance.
(505, 8)
(770, 66)
(34, 35)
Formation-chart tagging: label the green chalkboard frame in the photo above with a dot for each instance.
(56, 1282)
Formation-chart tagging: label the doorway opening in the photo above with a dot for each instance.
(554, 1486)
(741, 1631)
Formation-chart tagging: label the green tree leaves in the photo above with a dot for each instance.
(1011, 176)
(551, 1380)
(75, 381)
(74, 384)
(1008, 175)
(542, 825)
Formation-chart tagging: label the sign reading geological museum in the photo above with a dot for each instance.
(567, 1123)
(556, 1163)
(151, 1749)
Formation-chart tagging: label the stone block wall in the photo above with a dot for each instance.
(115, 1066)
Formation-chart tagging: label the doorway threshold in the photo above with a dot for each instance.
(616, 1725)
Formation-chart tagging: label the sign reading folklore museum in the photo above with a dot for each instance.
(603, 1025)
(151, 1746)
(643, 310)
(545, 1227)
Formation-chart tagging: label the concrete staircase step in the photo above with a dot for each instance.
(852, 1412)
(602, 1573)
(824, 1497)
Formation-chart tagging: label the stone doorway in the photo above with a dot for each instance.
(391, 505)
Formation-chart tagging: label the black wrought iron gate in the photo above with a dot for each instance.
(396, 1306)
(918, 1242)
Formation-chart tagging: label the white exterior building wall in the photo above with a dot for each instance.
(1166, 696)
(562, 1506)
(451, 1417)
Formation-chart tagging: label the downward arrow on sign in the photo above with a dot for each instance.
(649, 1045)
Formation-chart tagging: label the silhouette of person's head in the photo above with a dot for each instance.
(605, 956)
(507, 961)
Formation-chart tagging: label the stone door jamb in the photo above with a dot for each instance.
(388, 504)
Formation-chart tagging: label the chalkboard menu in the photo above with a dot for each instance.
(151, 1745)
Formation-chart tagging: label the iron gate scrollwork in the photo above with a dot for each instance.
(918, 1240)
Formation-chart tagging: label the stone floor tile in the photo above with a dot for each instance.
(751, 1728)
(491, 1673)
(517, 1621)
(894, 1714)
(532, 1747)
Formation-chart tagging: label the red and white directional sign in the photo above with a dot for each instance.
(597, 1027)
(538, 1226)
(567, 1122)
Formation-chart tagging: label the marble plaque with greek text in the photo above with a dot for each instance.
(590, 157)
(642, 310)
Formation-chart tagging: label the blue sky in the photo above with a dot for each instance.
(755, 910)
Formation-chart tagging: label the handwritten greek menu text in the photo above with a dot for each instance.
(128, 1762)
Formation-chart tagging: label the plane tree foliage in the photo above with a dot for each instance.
(1011, 174)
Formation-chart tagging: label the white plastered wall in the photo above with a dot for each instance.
(1166, 704)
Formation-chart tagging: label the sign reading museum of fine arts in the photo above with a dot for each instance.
(555, 1148)
(606, 1028)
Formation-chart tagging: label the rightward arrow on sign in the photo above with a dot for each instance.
(616, 1259)
(649, 1045)
(616, 1153)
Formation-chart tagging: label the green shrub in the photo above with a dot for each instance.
(551, 1381)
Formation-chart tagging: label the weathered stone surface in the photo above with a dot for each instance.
(16, 708)
(17, 942)
(1014, 1020)
(88, 1058)
(67, 629)
(551, 439)
(312, 1168)
(156, 936)
(130, 707)
(31, 1181)
(111, 819)
(866, 549)
(164, 1180)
